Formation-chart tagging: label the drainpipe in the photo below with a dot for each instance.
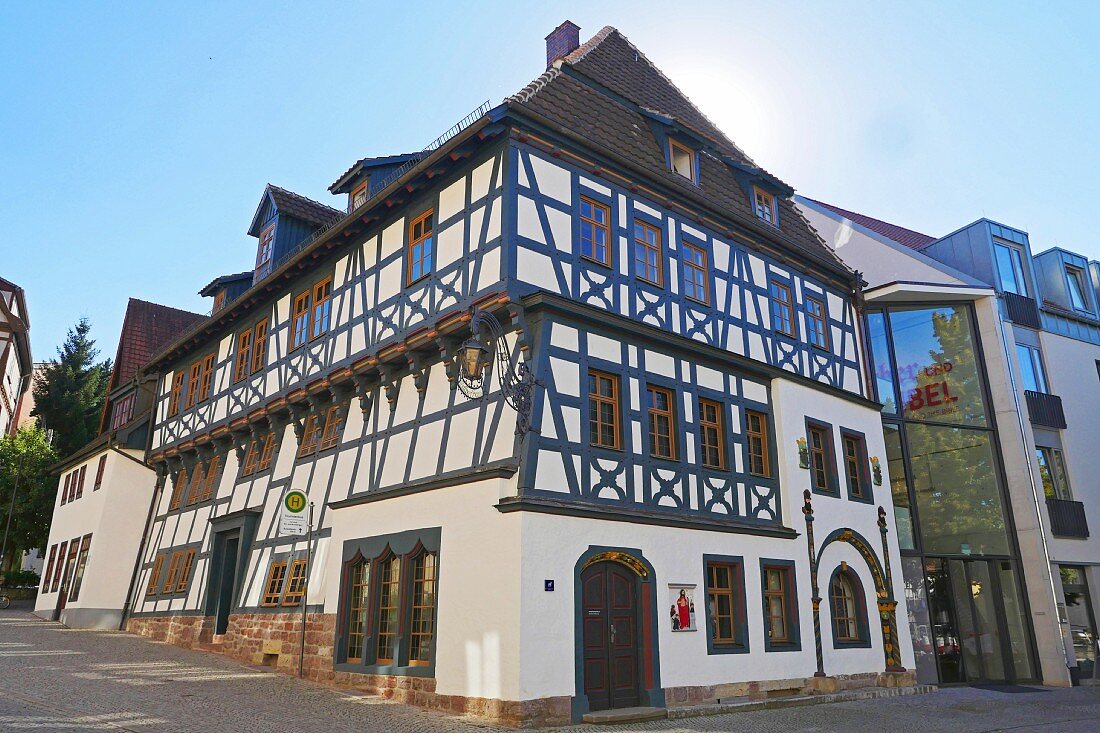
(1031, 475)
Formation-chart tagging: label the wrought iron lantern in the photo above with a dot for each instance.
(487, 350)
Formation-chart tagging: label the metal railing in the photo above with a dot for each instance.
(1067, 518)
(1022, 310)
(1045, 409)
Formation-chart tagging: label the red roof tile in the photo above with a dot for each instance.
(901, 235)
(146, 329)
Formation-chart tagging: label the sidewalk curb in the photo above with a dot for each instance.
(697, 711)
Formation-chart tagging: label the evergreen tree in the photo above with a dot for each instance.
(70, 390)
(24, 457)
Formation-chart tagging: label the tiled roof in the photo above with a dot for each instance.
(288, 202)
(218, 282)
(146, 329)
(901, 235)
(367, 163)
(571, 94)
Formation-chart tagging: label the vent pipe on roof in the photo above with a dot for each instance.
(562, 41)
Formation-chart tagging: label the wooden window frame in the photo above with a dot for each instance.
(265, 246)
(206, 379)
(718, 427)
(268, 452)
(812, 318)
(243, 360)
(191, 396)
(674, 146)
(296, 581)
(780, 305)
(361, 188)
(690, 267)
(763, 435)
(80, 481)
(657, 247)
(178, 486)
(827, 451)
(382, 597)
(195, 484)
(299, 319)
(862, 491)
(769, 202)
(48, 576)
(738, 643)
(427, 233)
(259, 346)
(213, 475)
(321, 309)
(176, 394)
(311, 436)
(357, 605)
(615, 400)
(654, 414)
(273, 585)
(154, 576)
(186, 565)
(251, 458)
(792, 639)
(333, 428)
(60, 566)
(605, 227)
(413, 633)
(859, 622)
(175, 564)
(99, 473)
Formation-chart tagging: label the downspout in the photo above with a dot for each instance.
(1031, 476)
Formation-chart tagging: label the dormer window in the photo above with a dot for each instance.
(265, 251)
(219, 301)
(764, 204)
(1076, 288)
(359, 196)
(682, 159)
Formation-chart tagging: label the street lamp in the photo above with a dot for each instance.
(475, 359)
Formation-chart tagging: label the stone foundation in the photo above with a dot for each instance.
(185, 631)
(769, 689)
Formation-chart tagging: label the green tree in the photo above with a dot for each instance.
(24, 457)
(70, 390)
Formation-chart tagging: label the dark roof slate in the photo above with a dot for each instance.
(146, 329)
(295, 204)
(612, 62)
(212, 287)
(901, 235)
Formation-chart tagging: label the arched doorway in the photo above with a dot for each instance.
(616, 632)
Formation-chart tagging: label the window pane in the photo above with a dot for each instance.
(899, 487)
(1007, 269)
(1076, 289)
(1031, 368)
(884, 369)
(937, 368)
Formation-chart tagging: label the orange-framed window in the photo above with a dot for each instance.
(648, 257)
(712, 437)
(359, 195)
(757, 447)
(389, 607)
(322, 308)
(817, 323)
(764, 204)
(847, 619)
(855, 465)
(154, 576)
(243, 361)
(726, 602)
(681, 159)
(782, 308)
(174, 567)
(421, 248)
(595, 231)
(176, 394)
(311, 435)
(300, 323)
(603, 409)
(219, 301)
(358, 604)
(80, 482)
(193, 378)
(251, 456)
(661, 408)
(334, 424)
(99, 473)
(273, 588)
(268, 453)
(777, 603)
(213, 473)
(820, 447)
(185, 570)
(422, 626)
(259, 346)
(177, 489)
(206, 378)
(198, 479)
(296, 583)
(696, 273)
(265, 250)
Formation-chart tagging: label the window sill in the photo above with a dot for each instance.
(593, 261)
(857, 644)
(715, 649)
(386, 669)
(782, 646)
(824, 349)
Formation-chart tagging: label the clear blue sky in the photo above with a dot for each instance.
(135, 141)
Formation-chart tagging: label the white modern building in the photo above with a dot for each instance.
(579, 403)
(104, 496)
(1034, 336)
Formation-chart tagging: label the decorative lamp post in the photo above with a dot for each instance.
(476, 358)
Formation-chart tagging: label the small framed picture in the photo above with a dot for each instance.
(682, 607)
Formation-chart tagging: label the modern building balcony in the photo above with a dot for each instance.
(1022, 310)
(1045, 409)
(1067, 518)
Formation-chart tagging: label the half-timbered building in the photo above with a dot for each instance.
(578, 401)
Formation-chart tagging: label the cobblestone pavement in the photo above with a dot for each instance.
(56, 679)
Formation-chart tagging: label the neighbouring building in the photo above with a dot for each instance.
(15, 355)
(102, 510)
(579, 403)
(986, 358)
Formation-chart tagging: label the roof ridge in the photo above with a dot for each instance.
(132, 299)
(304, 198)
(863, 219)
(534, 86)
(591, 44)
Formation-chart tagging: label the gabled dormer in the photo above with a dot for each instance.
(762, 189)
(227, 288)
(283, 220)
(679, 144)
(369, 176)
(1065, 282)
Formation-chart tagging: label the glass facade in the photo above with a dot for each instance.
(967, 617)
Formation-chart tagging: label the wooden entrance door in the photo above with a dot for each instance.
(609, 604)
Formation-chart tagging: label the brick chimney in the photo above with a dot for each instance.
(562, 41)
